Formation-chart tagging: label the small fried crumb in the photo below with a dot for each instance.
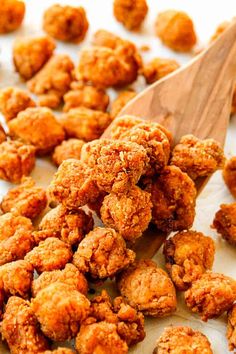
(225, 222)
(231, 328)
(229, 175)
(12, 15)
(121, 100)
(68, 149)
(158, 68)
(219, 30)
(145, 48)
(131, 13)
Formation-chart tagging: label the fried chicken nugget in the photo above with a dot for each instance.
(231, 328)
(188, 255)
(131, 13)
(30, 54)
(225, 222)
(129, 214)
(176, 30)
(158, 68)
(50, 254)
(52, 81)
(229, 175)
(68, 149)
(60, 309)
(12, 15)
(182, 339)
(10, 223)
(211, 295)
(20, 328)
(121, 100)
(102, 253)
(16, 160)
(147, 288)
(69, 225)
(26, 199)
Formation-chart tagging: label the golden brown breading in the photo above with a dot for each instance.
(131, 13)
(26, 199)
(102, 253)
(60, 309)
(69, 225)
(188, 255)
(12, 15)
(180, 339)
(16, 160)
(3, 135)
(129, 213)
(211, 295)
(225, 222)
(73, 184)
(147, 288)
(176, 30)
(68, 149)
(117, 165)
(229, 175)
(30, 54)
(69, 275)
(10, 223)
(158, 68)
(104, 38)
(198, 158)
(59, 350)
(121, 100)
(20, 328)
(66, 23)
(51, 254)
(38, 127)
(231, 328)
(42, 235)
(52, 81)
(173, 198)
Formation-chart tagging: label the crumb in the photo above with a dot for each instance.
(145, 48)
(219, 30)
(10, 223)
(131, 13)
(121, 100)
(231, 328)
(68, 149)
(229, 175)
(225, 222)
(158, 68)
(12, 15)
(3, 136)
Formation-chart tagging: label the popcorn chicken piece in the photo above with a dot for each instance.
(39, 127)
(102, 253)
(68, 149)
(69, 225)
(51, 254)
(66, 23)
(121, 100)
(69, 275)
(12, 15)
(176, 30)
(30, 54)
(16, 160)
(131, 13)
(20, 328)
(3, 136)
(225, 222)
(60, 309)
(147, 288)
(211, 295)
(188, 255)
(198, 158)
(182, 339)
(52, 81)
(73, 184)
(231, 328)
(10, 224)
(26, 199)
(129, 214)
(173, 198)
(229, 175)
(84, 123)
(104, 38)
(158, 68)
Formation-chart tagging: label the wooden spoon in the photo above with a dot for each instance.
(195, 99)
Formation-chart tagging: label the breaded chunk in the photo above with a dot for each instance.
(231, 328)
(158, 68)
(10, 223)
(12, 15)
(147, 288)
(211, 295)
(225, 222)
(30, 54)
(3, 135)
(121, 100)
(68, 149)
(104, 38)
(229, 175)
(131, 13)
(188, 255)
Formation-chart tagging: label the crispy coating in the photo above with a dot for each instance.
(129, 214)
(102, 253)
(198, 158)
(84, 123)
(180, 339)
(13, 101)
(16, 160)
(38, 127)
(158, 68)
(68, 149)
(10, 223)
(20, 328)
(229, 175)
(69, 225)
(52, 81)
(231, 328)
(225, 222)
(176, 30)
(188, 255)
(59, 350)
(30, 54)
(104, 38)
(69, 275)
(131, 13)
(26, 199)
(3, 135)
(12, 15)
(117, 165)
(66, 23)
(173, 198)
(60, 309)
(121, 100)
(73, 184)
(211, 295)
(147, 288)
(51, 254)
